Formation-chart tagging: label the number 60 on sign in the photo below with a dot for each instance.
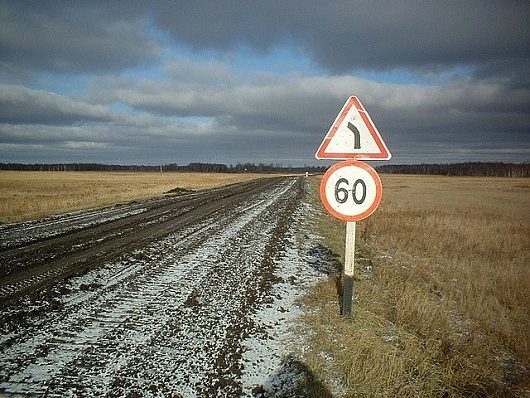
(351, 190)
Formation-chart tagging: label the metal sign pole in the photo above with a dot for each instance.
(349, 259)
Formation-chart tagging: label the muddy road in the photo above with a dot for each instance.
(182, 296)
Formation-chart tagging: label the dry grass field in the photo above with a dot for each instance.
(26, 195)
(442, 293)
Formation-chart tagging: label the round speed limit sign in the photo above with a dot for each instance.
(351, 190)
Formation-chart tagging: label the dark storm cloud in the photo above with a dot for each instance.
(345, 35)
(72, 37)
(339, 35)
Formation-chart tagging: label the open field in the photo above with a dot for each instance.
(442, 296)
(26, 195)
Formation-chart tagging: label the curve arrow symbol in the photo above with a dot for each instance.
(357, 136)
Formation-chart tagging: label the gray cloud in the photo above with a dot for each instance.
(72, 37)
(307, 105)
(206, 107)
(290, 115)
(20, 105)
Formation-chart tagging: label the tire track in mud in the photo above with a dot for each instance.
(167, 319)
(33, 265)
(13, 236)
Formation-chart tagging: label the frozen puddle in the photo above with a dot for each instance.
(205, 312)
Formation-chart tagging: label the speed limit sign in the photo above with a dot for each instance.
(351, 190)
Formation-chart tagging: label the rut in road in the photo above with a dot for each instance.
(33, 254)
(178, 317)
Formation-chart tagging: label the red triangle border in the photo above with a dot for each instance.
(384, 154)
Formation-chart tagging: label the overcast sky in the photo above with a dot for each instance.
(137, 82)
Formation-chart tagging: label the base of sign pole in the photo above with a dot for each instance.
(347, 295)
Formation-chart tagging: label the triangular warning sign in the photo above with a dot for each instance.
(353, 135)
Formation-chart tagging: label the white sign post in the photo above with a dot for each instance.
(351, 190)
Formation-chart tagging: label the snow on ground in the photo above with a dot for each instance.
(29, 231)
(267, 353)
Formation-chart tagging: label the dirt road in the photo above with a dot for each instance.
(188, 296)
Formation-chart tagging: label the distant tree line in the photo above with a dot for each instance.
(479, 169)
(192, 167)
(452, 169)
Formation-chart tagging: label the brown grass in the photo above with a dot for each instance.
(28, 195)
(442, 293)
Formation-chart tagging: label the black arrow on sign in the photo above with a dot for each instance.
(357, 136)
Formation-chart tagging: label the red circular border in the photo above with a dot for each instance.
(378, 188)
